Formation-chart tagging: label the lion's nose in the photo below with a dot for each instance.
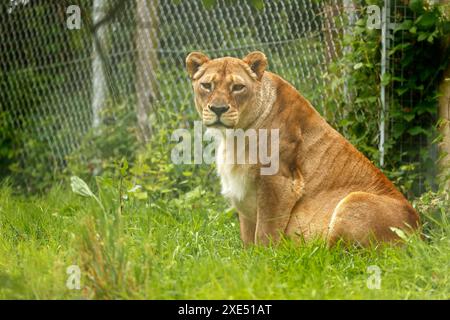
(219, 110)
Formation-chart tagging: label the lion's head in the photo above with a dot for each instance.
(226, 89)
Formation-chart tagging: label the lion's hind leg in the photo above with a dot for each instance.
(363, 217)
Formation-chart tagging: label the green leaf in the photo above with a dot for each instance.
(124, 168)
(385, 79)
(400, 46)
(446, 27)
(258, 4)
(414, 131)
(80, 187)
(402, 90)
(209, 3)
(422, 36)
(398, 129)
(405, 25)
(400, 233)
(345, 122)
(141, 195)
(358, 66)
(426, 20)
(409, 116)
(416, 5)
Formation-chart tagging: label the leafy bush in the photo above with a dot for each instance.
(114, 151)
(434, 208)
(418, 59)
(7, 141)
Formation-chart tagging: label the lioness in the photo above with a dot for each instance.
(324, 186)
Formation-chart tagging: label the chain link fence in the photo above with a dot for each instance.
(57, 78)
(418, 150)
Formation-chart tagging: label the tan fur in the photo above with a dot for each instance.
(324, 186)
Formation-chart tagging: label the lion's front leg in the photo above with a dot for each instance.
(276, 197)
(248, 228)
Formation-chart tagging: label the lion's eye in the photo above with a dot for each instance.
(206, 85)
(238, 87)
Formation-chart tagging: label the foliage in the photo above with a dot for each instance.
(32, 84)
(418, 59)
(115, 138)
(147, 171)
(47, 83)
(258, 4)
(139, 226)
(421, 59)
(434, 207)
(44, 92)
(356, 74)
(7, 141)
(28, 88)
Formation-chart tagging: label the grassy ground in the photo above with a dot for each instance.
(189, 247)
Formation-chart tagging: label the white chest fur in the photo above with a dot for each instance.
(238, 184)
(234, 178)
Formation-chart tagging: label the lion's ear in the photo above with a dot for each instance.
(194, 61)
(257, 62)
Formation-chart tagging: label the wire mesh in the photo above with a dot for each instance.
(56, 80)
(418, 152)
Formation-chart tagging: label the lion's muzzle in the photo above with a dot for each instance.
(219, 110)
(219, 115)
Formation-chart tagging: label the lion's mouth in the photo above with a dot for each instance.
(218, 124)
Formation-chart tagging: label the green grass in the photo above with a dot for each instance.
(189, 247)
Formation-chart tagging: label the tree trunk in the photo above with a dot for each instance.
(444, 115)
(146, 65)
(329, 29)
(99, 87)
